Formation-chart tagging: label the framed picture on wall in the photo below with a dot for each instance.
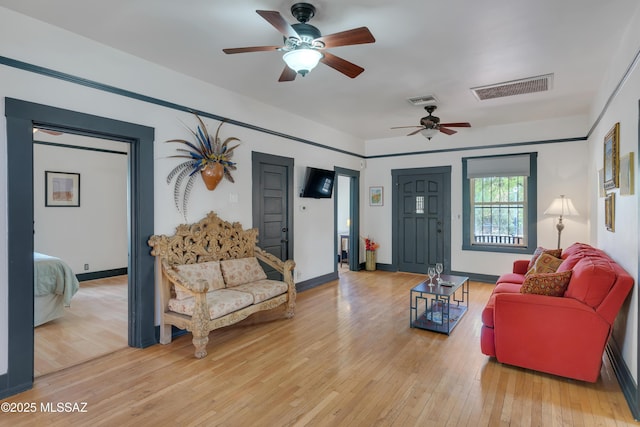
(611, 157)
(61, 189)
(610, 211)
(626, 175)
(375, 196)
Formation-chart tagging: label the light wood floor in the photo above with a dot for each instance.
(348, 358)
(94, 325)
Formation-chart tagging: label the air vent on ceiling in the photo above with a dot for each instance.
(423, 100)
(514, 87)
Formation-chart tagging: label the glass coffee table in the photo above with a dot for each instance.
(439, 307)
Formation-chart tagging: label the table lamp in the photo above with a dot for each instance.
(561, 206)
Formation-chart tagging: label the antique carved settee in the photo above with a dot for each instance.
(557, 321)
(210, 277)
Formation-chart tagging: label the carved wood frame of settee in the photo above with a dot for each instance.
(211, 239)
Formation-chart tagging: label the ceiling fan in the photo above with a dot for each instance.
(430, 125)
(304, 45)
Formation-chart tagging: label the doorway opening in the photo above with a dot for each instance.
(90, 320)
(21, 117)
(347, 224)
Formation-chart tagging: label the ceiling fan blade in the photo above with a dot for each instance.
(456, 125)
(347, 68)
(346, 38)
(416, 131)
(274, 18)
(251, 49)
(406, 127)
(288, 75)
(447, 131)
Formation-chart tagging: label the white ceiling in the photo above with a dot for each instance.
(422, 47)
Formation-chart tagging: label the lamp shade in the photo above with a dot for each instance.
(429, 132)
(561, 206)
(302, 60)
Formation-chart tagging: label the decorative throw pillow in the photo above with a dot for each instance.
(539, 251)
(545, 264)
(209, 271)
(550, 284)
(243, 270)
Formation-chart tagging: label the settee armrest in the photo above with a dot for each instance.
(557, 335)
(199, 286)
(520, 266)
(283, 267)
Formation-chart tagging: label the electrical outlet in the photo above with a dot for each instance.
(86, 267)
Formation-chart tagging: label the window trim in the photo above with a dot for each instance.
(531, 210)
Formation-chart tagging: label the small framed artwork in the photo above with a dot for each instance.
(61, 189)
(601, 191)
(611, 157)
(626, 175)
(610, 211)
(375, 196)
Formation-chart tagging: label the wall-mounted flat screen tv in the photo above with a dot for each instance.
(318, 183)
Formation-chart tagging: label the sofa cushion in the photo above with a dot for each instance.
(550, 284)
(262, 290)
(545, 264)
(190, 273)
(220, 302)
(511, 278)
(243, 270)
(539, 251)
(591, 281)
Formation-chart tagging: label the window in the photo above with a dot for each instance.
(499, 205)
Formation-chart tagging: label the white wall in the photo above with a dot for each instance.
(96, 232)
(622, 244)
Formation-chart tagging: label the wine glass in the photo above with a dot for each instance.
(431, 272)
(439, 269)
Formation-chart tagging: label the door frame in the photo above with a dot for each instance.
(445, 171)
(354, 215)
(21, 117)
(258, 158)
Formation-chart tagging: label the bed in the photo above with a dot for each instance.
(54, 286)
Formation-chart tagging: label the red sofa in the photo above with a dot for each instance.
(563, 335)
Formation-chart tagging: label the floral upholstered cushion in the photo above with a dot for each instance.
(539, 251)
(243, 270)
(190, 273)
(220, 302)
(551, 284)
(545, 264)
(262, 290)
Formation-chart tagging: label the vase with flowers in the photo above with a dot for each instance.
(370, 247)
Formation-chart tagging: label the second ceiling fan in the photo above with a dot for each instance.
(430, 125)
(305, 46)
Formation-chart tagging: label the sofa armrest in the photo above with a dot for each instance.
(520, 266)
(200, 286)
(557, 335)
(283, 267)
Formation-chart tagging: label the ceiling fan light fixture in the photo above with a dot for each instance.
(302, 60)
(429, 132)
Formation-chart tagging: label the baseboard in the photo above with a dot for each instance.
(316, 281)
(175, 332)
(485, 278)
(102, 274)
(625, 379)
(7, 389)
(381, 267)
